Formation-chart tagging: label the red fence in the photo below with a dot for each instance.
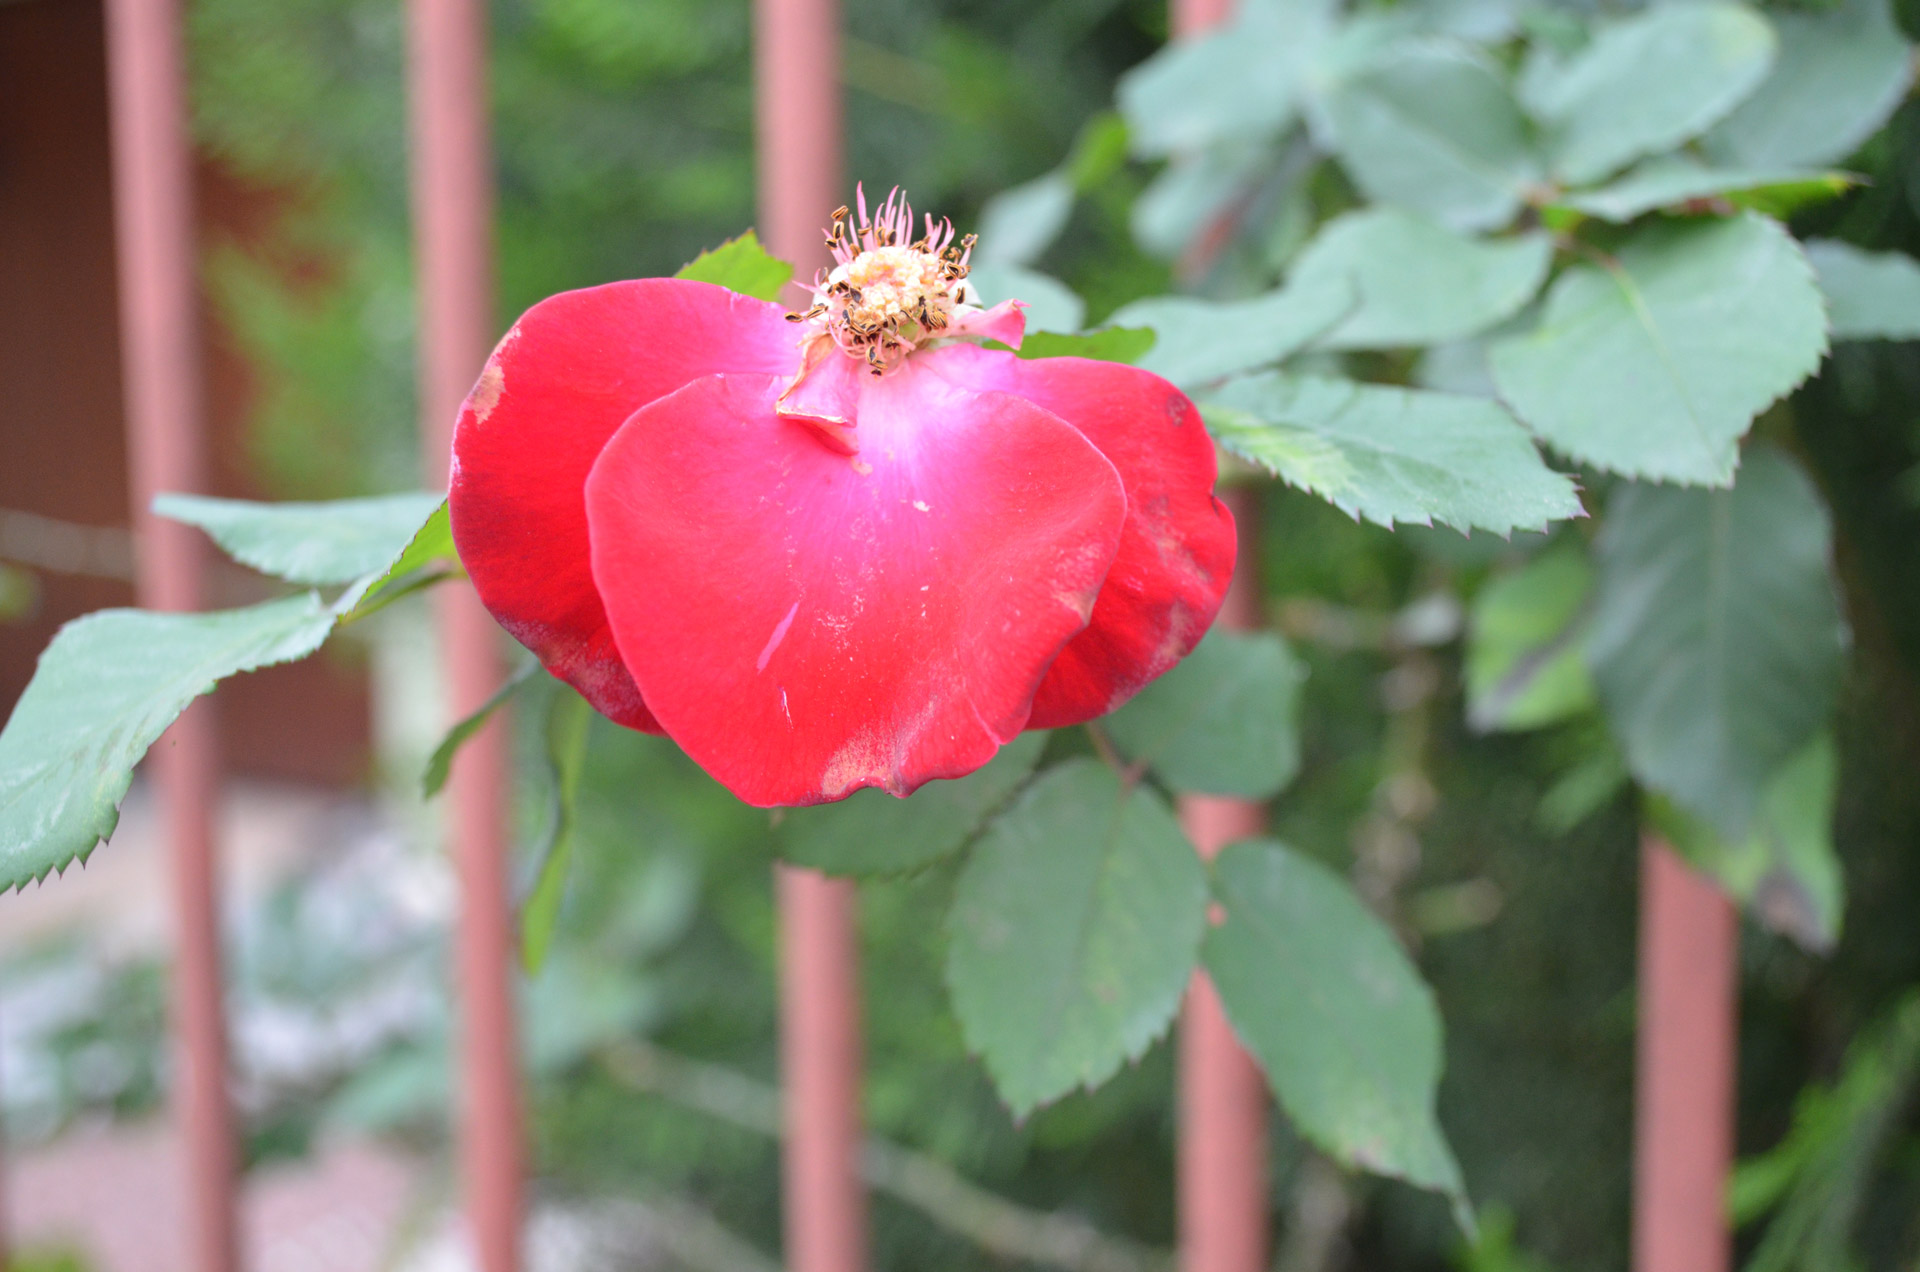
(1687, 964)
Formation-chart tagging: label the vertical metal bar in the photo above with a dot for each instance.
(802, 179)
(453, 227)
(1686, 1065)
(825, 1202)
(1194, 17)
(1223, 1095)
(160, 356)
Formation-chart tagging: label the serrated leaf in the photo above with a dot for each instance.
(1870, 295)
(1075, 926)
(1107, 344)
(1433, 128)
(1673, 182)
(1717, 644)
(1322, 994)
(1784, 871)
(1655, 363)
(309, 543)
(428, 558)
(872, 833)
(1020, 223)
(1648, 83)
(569, 719)
(440, 763)
(1524, 667)
(1390, 455)
(1419, 283)
(1051, 304)
(104, 691)
(740, 265)
(1842, 70)
(1197, 341)
(1225, 721)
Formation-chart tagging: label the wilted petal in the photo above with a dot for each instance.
(566, 376)
(1177, 549)
(805, 623)
(1005, 322)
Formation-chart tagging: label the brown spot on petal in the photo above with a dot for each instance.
(486, 393)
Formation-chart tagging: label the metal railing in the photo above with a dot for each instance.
(1687, 941)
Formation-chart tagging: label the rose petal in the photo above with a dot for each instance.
(1177, 550)
(1005, 322)
(805, 623)
(826, 396)
(563, 379)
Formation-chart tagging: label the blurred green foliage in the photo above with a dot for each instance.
(623, 134)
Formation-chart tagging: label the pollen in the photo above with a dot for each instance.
(886, 295)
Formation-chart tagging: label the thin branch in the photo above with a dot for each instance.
(1001, 1227)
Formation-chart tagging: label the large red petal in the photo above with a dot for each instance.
(565, 377)
(1177, 550)
(806, 622)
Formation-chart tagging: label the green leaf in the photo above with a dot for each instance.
(1225, 721)
(1595, 778)
(1717, 644)
(1842, 70)
(111, 683)
(105, 690)
(1322, 994)
(568, 720)
(1192, 193)
(1238, 81)
(1784, 870)
(1108, 344)
(1524, 667)
(1654, 364)
(1674, 183)
(1197, 341)
(1871, 295)
(1650, 82)
(872, 833)
(308, 543)
(1017, 225)
(1075, 926)
(1051, 304)
(1433, 128)
(741, 265)
(1419, 282)
(1390, 455)
(440, 763)
(428, 558)
(1821, 1177)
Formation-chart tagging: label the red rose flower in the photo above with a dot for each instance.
(836, 549)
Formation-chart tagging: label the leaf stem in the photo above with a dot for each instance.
(1130, 774)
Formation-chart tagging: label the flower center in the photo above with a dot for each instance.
(886, 296)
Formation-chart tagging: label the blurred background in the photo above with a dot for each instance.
(623, 134)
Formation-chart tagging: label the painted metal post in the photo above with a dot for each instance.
(1223, 1094)
(160, 358)
(1686, 1066)
(453, 229)
(802, 179)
